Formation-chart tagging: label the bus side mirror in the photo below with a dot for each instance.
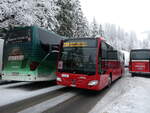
(53, 48)
(54, 51)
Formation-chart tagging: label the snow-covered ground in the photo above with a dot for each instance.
(128, 95)
(39, 108)
(10, 95)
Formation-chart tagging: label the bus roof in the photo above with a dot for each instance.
(40, 28)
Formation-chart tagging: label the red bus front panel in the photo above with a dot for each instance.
(91, 82)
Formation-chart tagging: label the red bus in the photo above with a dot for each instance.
(88, 63)
(139, 62)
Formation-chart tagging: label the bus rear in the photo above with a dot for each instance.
(17, 54)
(139, 62)
(27, 54)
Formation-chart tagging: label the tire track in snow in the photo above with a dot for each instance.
(49, 103)
(19, 95)
(27, 103)
(14, 84)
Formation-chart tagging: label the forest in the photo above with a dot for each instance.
(66, 18)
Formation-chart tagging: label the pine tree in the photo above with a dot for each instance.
(100, 31)
(28, 12)
(65, 18)
(72, 23)
(80, 24)
(94, 28)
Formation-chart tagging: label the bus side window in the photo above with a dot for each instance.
(48, 40)
(104, 51)
(102, 58)
(100, 61)
(44, 40)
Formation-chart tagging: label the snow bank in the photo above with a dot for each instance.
(127, 95)
(135, 99)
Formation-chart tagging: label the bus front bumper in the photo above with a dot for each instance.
(26, 78)
(84, 82)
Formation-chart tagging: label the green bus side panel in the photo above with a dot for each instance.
(32, 51)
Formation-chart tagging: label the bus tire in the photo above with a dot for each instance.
(132, 74)
(109, 81)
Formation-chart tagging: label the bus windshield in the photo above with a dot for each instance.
(140, 55)
(18, 35)
(78, 59)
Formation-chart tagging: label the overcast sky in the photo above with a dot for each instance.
(129, 14)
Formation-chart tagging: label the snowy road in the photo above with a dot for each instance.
(126, 95)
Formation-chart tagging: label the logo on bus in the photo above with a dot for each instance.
(16, 54)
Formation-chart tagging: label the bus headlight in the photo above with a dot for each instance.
(93, 83)
(59, 79)
(65, 75)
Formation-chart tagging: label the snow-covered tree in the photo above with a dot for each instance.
(120, 39)
(28, 12)
(65, 18)
(94, 28)
(145, 42)
(72, 23)
(100, 31)
(80, 24)
(110, 32)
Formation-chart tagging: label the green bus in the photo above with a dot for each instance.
(28, 54)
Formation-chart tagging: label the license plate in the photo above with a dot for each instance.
(140, 68)
(72, 85)
(15, 73)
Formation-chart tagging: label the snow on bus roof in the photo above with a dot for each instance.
(140, 49)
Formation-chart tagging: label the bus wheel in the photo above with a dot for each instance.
(132, 74)
(109, 81)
